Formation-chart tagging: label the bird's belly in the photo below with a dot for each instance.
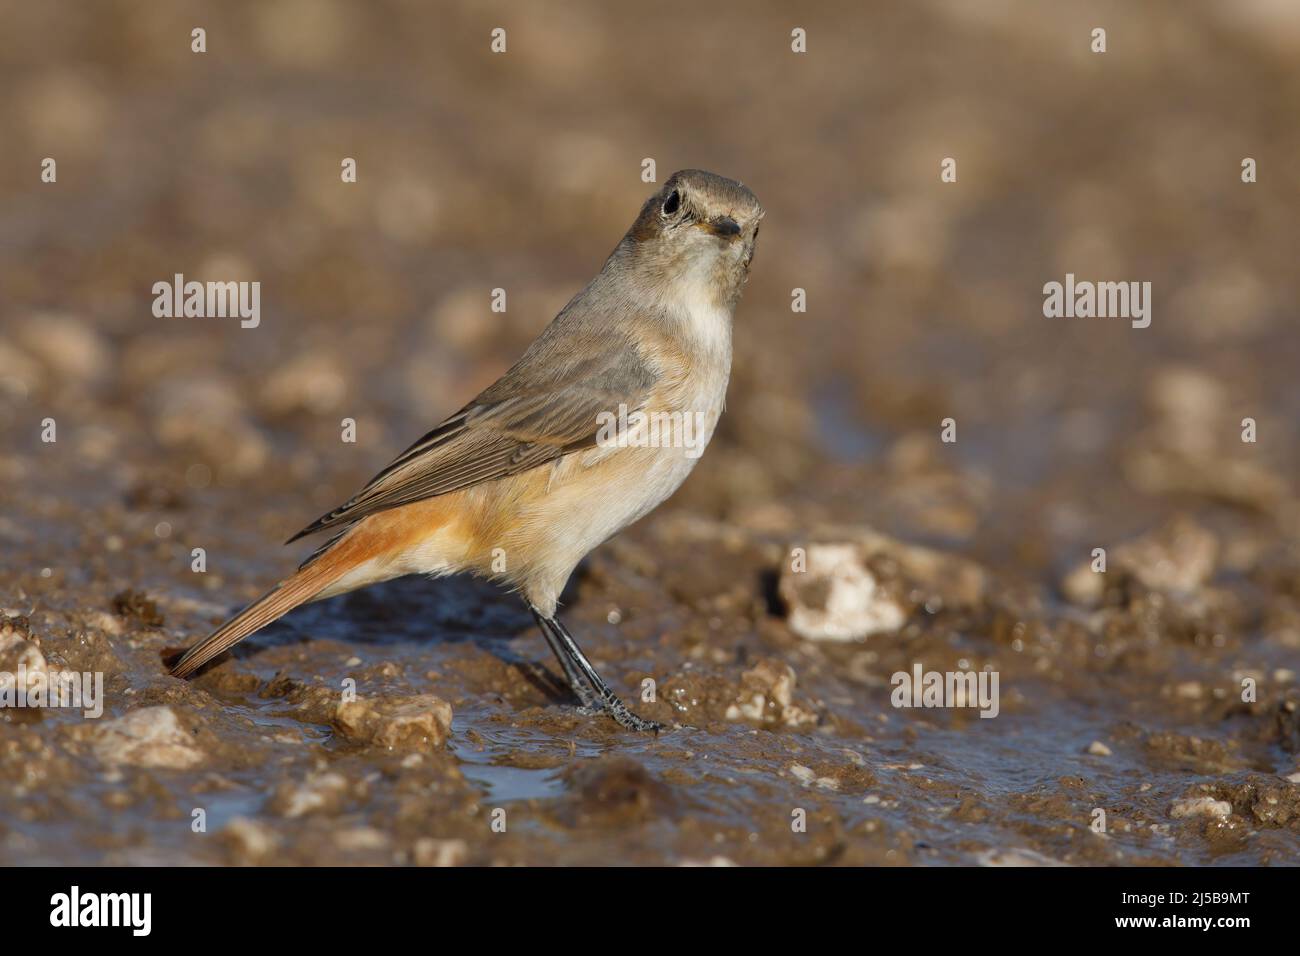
(588, 508)
(639, 481)
(590, 496)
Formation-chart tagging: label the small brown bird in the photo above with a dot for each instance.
(600, 421)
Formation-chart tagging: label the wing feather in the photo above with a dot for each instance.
(541, 410)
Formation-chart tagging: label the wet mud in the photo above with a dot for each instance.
(829, 540)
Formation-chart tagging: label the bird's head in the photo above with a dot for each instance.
(699, 230)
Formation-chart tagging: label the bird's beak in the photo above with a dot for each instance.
(724, 227)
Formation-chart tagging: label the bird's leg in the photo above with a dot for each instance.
(586, 697)
(608, 699)
(572, 659)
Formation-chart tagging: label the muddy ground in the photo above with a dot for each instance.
(1156, 703)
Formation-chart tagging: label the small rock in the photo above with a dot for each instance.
(20, 657)
(320, 791)
(71, 349)
(14, 625)
(711, 861)
(1098, 749)
(1084, 586)
(431, 852)
(1191, 446)
(1179, 557)
(397, 723)
(1264, 801)
(766, 695)
(837, 598)
(1016, 856)
(360, 839)
(939, 578)
(148, 737)
(808, 777)
(1200, 807)
(250, 841)
(103, 621)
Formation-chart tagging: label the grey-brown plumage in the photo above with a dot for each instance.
(541, 409)
(521, 471)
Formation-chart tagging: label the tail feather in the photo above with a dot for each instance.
(287, 595)
(373, 537)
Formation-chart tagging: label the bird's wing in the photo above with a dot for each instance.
(543, 408)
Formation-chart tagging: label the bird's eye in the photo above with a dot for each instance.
(672, 203)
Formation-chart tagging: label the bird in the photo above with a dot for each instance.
(600, 420)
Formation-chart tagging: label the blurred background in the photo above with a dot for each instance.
(522, 170)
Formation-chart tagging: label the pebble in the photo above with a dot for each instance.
(430, 852)
(837, 598)
(148, 737)
(400, 723)
(766, 695)
(250, 840)
(1179, 557)
(318, 792)
(74, 352)
(18, 655)
(1200, 807)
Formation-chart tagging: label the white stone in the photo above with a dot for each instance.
(850, 605)
(148, 737)
(1200, 807)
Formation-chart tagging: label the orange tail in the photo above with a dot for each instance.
(389, 533)
(287, 595)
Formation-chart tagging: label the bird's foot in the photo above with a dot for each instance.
(594, 695)
(616, 709)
